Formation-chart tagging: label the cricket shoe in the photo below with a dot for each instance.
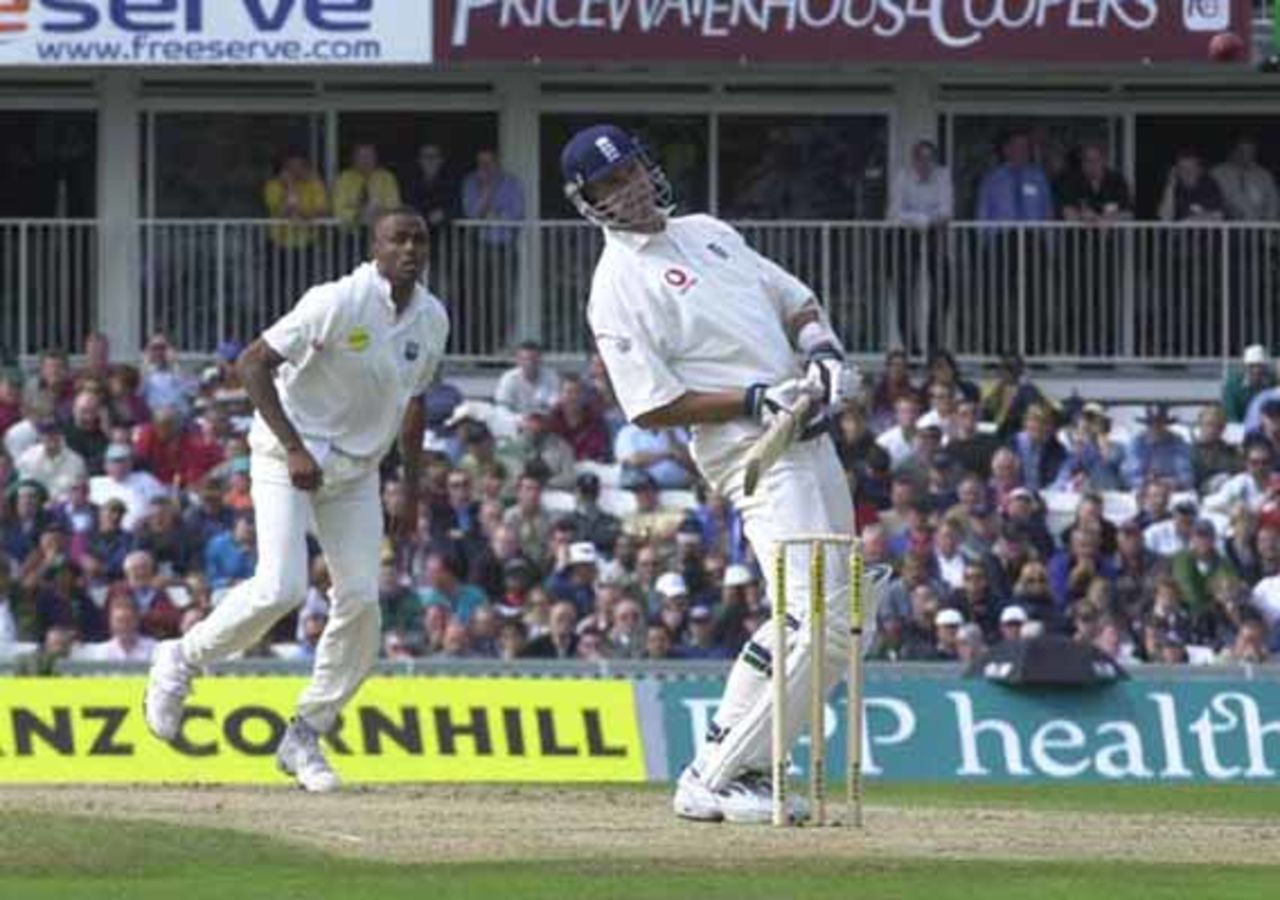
(748, 800)
(694, 800)
(168, 684)
(300, 755)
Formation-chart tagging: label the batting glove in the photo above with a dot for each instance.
(830, 377)
(765, 403)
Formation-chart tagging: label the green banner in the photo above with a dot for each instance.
(922, 728)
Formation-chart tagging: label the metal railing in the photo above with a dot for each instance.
(48, 284)
(1054, 292)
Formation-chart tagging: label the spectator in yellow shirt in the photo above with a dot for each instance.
(365, 189)
(298, 195)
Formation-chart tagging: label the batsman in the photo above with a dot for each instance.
(698, 330)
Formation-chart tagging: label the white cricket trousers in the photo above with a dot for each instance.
(347, 516)
(805, 492)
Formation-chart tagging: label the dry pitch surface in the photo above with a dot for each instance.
(486, 823)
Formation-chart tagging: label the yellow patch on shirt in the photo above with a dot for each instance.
(358, 340)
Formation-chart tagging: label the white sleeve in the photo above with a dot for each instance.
(632, 344)
(309, 325)
(435, 355)
(787, 292)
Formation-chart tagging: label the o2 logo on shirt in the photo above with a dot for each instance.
(679, 279)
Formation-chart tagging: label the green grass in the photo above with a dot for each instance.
(44, 857)
(1233, 800)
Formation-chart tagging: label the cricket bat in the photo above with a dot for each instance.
(770, 446)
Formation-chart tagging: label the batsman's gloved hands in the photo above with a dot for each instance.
(832, 378)
(765, 403)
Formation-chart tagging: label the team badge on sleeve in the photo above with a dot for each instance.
(411, 351)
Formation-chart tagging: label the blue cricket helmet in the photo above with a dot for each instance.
(592, 154)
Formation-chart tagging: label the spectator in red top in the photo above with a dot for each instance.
(10, 401)
(174, 452)
(161, 618)
(579, 422)
(124, 403)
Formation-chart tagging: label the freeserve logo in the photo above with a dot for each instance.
(182, 16)
(159, 32)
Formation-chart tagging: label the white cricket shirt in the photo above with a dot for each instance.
(351, 365)
(693, 308)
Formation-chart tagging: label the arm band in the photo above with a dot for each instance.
(814, 335)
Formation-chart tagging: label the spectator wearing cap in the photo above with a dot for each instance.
(673, 604)
(1073, 569)
(1159, 453)
(537, 449)
(1172, 535)
(160, 615)
(577, 420)
(175, 548)
(1244, 384)
(174, 452)
(86, 434)
(1137, 569)
(1248, 488)
(529, 384)
(1212, 458)
(662, 453)
(590, 522)
(1012, 618)
(120, 481)
(163, 382)
(649, 522)
(443, 573)
(702, 643)
(946, 631)
(1198, 568)
(1038, 449)
(575, 579)
(51, 462)
(1093, 462)
(561, 639)
(739, 599)
(125, 642)
(232, 556)
(528, 520)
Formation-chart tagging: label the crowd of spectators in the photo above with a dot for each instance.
(551, 528)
